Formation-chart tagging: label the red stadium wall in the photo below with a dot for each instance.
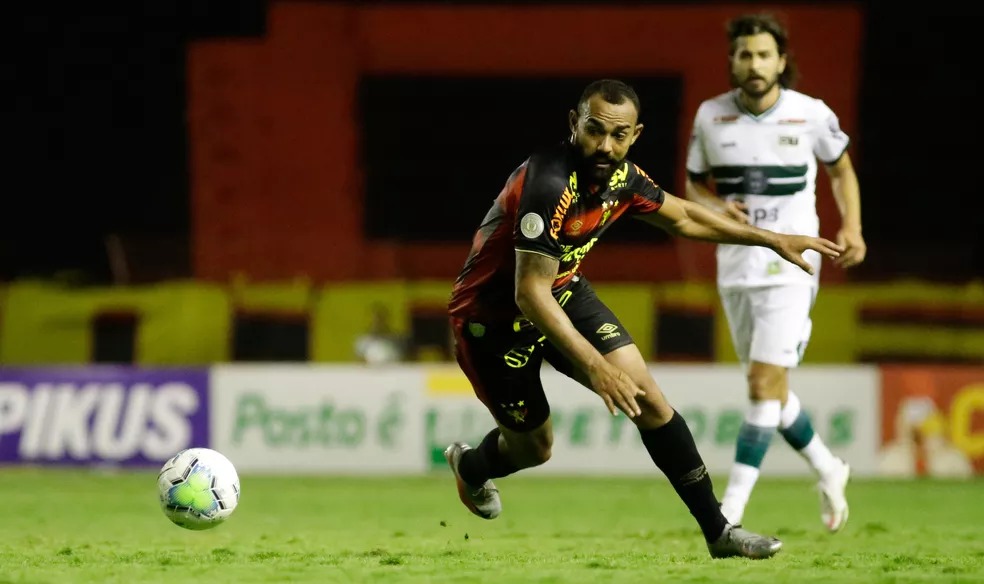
(274, 141)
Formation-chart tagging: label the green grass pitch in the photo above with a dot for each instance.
(80, 526)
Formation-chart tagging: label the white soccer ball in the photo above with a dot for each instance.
(199, 488)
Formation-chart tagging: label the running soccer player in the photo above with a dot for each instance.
(521, 298)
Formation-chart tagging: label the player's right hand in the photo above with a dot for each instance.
(617, 390)
(737, 210)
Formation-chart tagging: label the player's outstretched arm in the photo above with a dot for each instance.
(693, 221)
(535, 274)
(698, 191)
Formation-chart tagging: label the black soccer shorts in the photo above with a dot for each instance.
(503, 360)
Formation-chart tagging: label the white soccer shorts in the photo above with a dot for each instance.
(770, 324)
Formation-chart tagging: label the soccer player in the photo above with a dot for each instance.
(521, 298)
(757, 146)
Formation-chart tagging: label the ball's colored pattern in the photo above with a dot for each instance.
(199, 488)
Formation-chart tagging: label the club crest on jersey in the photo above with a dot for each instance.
(607, 207)
(517, 411)
(755, 181)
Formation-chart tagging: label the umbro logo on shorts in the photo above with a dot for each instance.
(608, 331)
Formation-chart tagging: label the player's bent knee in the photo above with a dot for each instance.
(656, 411)
(539, 455)
(531, 455)
(653, 400)
(765, 383)
(539, 448)
(528, 449)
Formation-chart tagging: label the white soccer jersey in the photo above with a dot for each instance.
(768, 161)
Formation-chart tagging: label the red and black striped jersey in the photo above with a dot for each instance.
(543, 209)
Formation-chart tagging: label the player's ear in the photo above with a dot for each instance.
(636, 133)
(572, 121)
(782, 63)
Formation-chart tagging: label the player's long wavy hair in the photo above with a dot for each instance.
(752, 24)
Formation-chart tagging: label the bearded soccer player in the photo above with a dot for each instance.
(753, 156)
(521, 298)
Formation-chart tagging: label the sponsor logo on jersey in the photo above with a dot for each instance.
(619, 177)
(518, 358)
(788, 140)
(574, 227)
(726, 119)
(641, 173)
(560, 211)
(794, 121)
(576, 254)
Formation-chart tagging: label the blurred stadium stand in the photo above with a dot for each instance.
(137, 239)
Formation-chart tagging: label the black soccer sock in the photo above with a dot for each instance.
(672, 448)
(485, 462)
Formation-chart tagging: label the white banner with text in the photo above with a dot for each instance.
(323, 419)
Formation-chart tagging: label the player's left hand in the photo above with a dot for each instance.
(854, 247)
(791, 248)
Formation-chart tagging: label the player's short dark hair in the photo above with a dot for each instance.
(752, 24)
(611, 90)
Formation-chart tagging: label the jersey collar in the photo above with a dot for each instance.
(736, 92)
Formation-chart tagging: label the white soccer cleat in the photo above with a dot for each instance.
(833, 501)
(482, 500)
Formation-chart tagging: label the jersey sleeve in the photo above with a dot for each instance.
(697, 165)
(830, 142)
(543, 205)
(648, 196)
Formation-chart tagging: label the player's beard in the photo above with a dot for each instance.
(750, 91)
(597, 175)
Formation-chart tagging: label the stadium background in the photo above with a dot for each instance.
(212, 206)
(236, 189)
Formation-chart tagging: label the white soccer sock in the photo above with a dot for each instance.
(741, 481)
(790, 411)
(815, 452)
(820, 457)
(763, 415)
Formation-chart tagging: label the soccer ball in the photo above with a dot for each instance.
(199, 488)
